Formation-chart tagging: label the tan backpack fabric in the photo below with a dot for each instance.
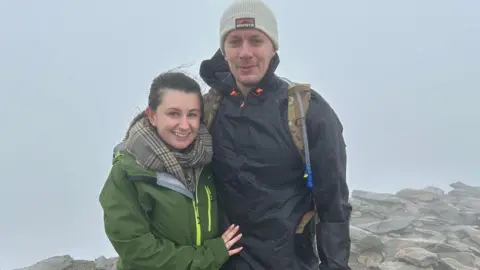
(297, 93)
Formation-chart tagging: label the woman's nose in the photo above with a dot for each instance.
(184, 123)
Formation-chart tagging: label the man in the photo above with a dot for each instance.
(258, 170)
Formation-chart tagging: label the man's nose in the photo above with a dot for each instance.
(245, 50)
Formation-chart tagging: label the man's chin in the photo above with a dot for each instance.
(249, 81)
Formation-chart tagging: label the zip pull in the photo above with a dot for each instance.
(258, 91)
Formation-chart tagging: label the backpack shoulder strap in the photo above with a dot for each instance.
(211, 101)
(298, 101)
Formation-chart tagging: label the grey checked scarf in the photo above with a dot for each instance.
(144, 143)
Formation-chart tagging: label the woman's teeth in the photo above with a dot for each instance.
(182, 135)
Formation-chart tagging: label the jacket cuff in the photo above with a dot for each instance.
(219, 250)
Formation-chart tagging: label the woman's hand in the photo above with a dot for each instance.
(230, 239)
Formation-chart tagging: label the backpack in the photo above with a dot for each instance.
(298, 102)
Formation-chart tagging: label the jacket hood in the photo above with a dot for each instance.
(216, 73)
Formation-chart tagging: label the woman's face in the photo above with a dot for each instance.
(177, 118)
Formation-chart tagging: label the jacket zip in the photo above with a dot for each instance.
(198, 225)
(209, 211)
(238, 136)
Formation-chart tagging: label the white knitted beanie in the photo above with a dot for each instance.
(248, 14)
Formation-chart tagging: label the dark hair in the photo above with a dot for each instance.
(170, 80)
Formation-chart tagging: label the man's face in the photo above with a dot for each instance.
(248, 53)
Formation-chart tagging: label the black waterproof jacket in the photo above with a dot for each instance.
(259, 176)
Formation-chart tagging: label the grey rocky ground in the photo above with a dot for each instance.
(414, 229)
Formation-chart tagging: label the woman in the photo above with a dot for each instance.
(159, 199)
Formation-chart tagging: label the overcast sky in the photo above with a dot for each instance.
(403, 76)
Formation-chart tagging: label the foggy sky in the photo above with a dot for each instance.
(403, 76)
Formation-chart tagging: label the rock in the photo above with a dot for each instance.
(413, 229)
(363, 241)
(417, 256)
(387, 226)
(55, 263)
(370, 259)
(377, 198)
(473, 191)
(66, 262)
(397, 266)
(102, 263)
(420, 195)
(419, 229)
(452, 264)
(435, 190)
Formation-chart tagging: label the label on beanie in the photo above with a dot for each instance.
(245, 23)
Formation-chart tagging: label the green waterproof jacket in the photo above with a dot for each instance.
(154, 222)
